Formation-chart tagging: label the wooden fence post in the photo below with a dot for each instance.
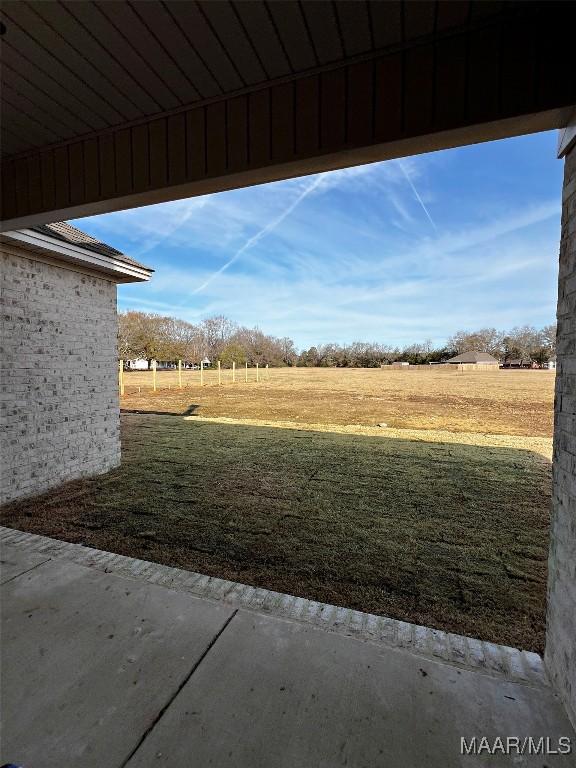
(233, 372)
(201, 373)
(246, 372)
(180, 373)
(267, 373)
(257, 377)
(154, 375)
(121, 377)
(219, 373)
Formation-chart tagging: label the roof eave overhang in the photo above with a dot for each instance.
(115, 269)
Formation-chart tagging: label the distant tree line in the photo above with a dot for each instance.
(523, 342)
(150, 337)
(157, 337)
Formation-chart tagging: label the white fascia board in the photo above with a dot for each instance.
(120, 271)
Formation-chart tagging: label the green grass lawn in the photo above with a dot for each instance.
(448, 534)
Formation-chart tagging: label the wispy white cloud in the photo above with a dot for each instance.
(349, 254)
(313, 307)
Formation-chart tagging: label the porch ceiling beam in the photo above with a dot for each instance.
(513, 74)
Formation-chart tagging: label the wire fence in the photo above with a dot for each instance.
(181, 377)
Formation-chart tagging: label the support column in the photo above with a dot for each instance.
(560, 655)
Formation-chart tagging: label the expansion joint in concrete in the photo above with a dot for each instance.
(466, 652)
(181, 685)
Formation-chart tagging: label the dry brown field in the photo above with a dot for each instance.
(515, 402)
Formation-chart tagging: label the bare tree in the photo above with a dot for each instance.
(142, 335)
(484, 340)
(217, 332)
(128, 346)
(548, 334)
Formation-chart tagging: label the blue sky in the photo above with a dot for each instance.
(395, 252)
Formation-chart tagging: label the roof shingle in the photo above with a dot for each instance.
(64, 231)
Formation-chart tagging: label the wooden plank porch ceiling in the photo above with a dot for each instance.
(113, 104)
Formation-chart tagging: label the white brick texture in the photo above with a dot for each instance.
(560, 655)
(59, 410)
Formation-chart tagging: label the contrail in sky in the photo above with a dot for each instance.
(263, 232)
(409, 180)
(191, 207)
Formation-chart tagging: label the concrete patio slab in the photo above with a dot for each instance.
(101, 669)
(466, 652)
(277, 693)
(14, 562)
(89, 660)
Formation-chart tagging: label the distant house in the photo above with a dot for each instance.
(473, 358)
(520, 362)
(551, 364)
(399, 364)
(206, 362)
(142, 365)
(136, 365)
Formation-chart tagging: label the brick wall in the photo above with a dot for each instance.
(560, 653)
(59, 398)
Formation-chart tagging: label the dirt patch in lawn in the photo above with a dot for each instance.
(438, 528)
(514, 402)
